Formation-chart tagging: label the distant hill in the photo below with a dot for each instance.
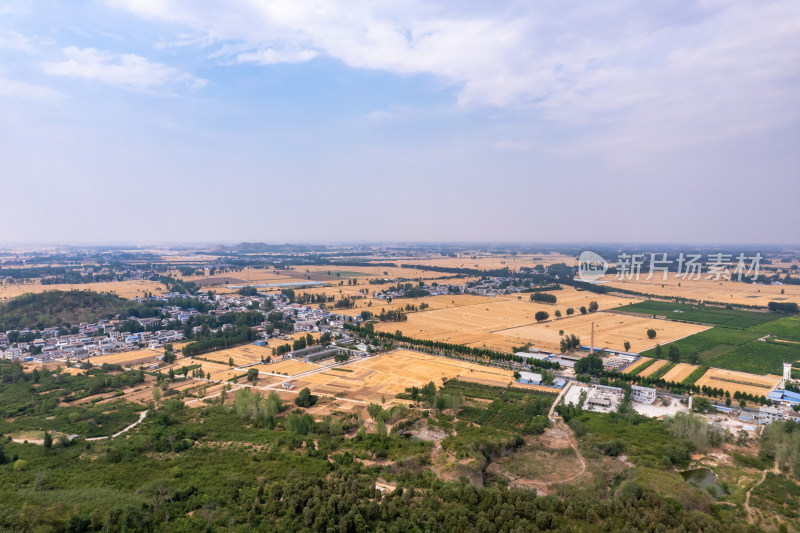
(260, 248)
(56, 308)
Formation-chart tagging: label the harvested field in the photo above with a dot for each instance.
(391, 373)
(735, 292)
(639, 362)
(244, 354)
(490, 376)
(131, 358)
(491, 261)
(493, 321)
(652, 369)
(611, 330)
(219, 372)
(530, 386)
(288, 366)
(124, 289)
(680, 372)
(733, 381)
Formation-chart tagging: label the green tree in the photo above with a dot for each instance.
(593, 306)
(591, 364)
(252, 375)
(305, 398)
(651, 333)
(674, 354)
(48, 440)
(627, 346)
(541, 316)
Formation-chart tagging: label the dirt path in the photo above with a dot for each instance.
(125, 430)
(574, 444)
(558, 400)
(750, 511)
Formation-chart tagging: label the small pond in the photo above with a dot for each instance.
(705, 479)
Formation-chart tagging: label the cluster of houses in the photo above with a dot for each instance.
(91, 339)
(102, 337)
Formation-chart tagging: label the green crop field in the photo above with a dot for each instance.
(784, 328)
(758, 357)
(730, 318)
(733, 349)
(707, 344)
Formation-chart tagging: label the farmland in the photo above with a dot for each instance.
(679, 372)
(758, 357)
(610, 331)
(490, 321)
(738, 381)
(733, 292)
(708, 344)
(785, 328)
(288, 366)
(637, 366)
(389, 374)
(653, 368)
(733, 349)
(133, 358)
(732, 318)
(123, 289)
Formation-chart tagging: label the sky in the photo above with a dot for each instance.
(341, 121)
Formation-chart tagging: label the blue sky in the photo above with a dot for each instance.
(176, 120)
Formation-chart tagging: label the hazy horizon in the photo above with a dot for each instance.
(166, 122)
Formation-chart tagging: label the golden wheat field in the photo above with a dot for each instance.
(652, 369)
(391, 373)
(123, 289)
(217, 371)
(498, 322)
(241, 355)
(733, 381)
(485, 261)
(290, 367)
(717, 291)
(679, 372)
(611, 330)
(129, 359)
(250, 353)
(639, 362)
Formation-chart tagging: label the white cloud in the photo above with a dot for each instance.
(271, 56)
(122, 70)
(687, 72)
(16, 41)
(27, 91)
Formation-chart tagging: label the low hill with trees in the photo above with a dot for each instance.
(56, 308)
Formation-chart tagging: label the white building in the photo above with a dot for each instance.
(644, 395)
(604, 398)
(530, 377)
(767, 415)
